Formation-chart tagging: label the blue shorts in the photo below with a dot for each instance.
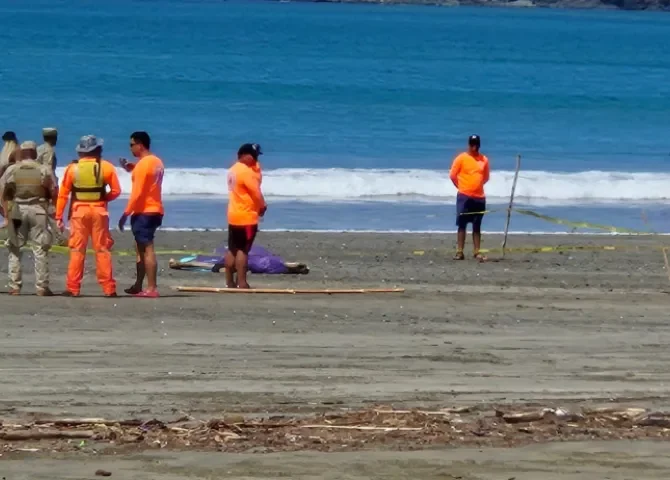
(467, 209)
(144, 226)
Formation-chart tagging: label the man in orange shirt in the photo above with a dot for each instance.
(86, 181)
(469, 173)
(245, 206)
(146, 207)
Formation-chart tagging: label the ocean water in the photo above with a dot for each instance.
(360, 109)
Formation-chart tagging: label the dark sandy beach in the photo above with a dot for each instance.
(583, 322)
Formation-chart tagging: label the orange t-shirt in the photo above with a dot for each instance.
(470, 173)
(109, 176)
(146, 195)
(245, 199)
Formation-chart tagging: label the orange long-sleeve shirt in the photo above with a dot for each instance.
(109, 176)
(146, 195)
(470, 173)
(245, 199)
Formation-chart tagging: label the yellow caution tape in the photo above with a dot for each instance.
(547, 249)
(129, 252)
(563, 221)
(558, 248)
(570, 223)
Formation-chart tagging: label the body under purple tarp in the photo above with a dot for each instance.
(260, 260)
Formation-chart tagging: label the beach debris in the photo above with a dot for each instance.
(557, 414)
(363, 427)
(656, 419)
(86, 421)
(615, 413)
(524, 417)
(342, 429)
(44, 434)
(103, 473)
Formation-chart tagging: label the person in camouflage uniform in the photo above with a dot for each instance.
(26, 189)
(46, 155)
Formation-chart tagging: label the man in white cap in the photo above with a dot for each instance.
(27, 188)
(46, 153)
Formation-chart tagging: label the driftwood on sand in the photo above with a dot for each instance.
(45, 434)
(506, 425)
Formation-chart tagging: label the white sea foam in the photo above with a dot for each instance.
(328, 185)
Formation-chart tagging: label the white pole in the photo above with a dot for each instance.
(511, 203)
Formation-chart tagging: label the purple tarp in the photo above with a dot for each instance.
(260, 260)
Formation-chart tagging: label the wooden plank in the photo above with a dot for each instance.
(43, 435)
(287, 291)
(86, 421)
(363, 427)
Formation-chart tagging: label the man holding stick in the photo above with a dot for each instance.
(469, 173)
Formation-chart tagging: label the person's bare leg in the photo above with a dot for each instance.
(461, 239)
(241, 263)
(140, 271)
(461, 243)
(150, 267)
(476, 241)
(229, 264)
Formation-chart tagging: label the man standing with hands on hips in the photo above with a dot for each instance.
(245, 207)
(469, 173)
(145, 208)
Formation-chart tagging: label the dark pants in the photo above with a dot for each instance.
(144, 226)
(241, 238)
(468, 211)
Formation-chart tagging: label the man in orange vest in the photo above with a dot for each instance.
(469, 173)
(86, 181)
(246, 205)
(145, 208)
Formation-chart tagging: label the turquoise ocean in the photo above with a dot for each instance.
(360, 109)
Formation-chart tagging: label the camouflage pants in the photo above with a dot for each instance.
(29, 223)
(57, 237)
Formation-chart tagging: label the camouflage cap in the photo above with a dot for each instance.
(88, 143)
(29, 145)
(47, 132)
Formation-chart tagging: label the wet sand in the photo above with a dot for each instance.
(553, 461)
(561, 327)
